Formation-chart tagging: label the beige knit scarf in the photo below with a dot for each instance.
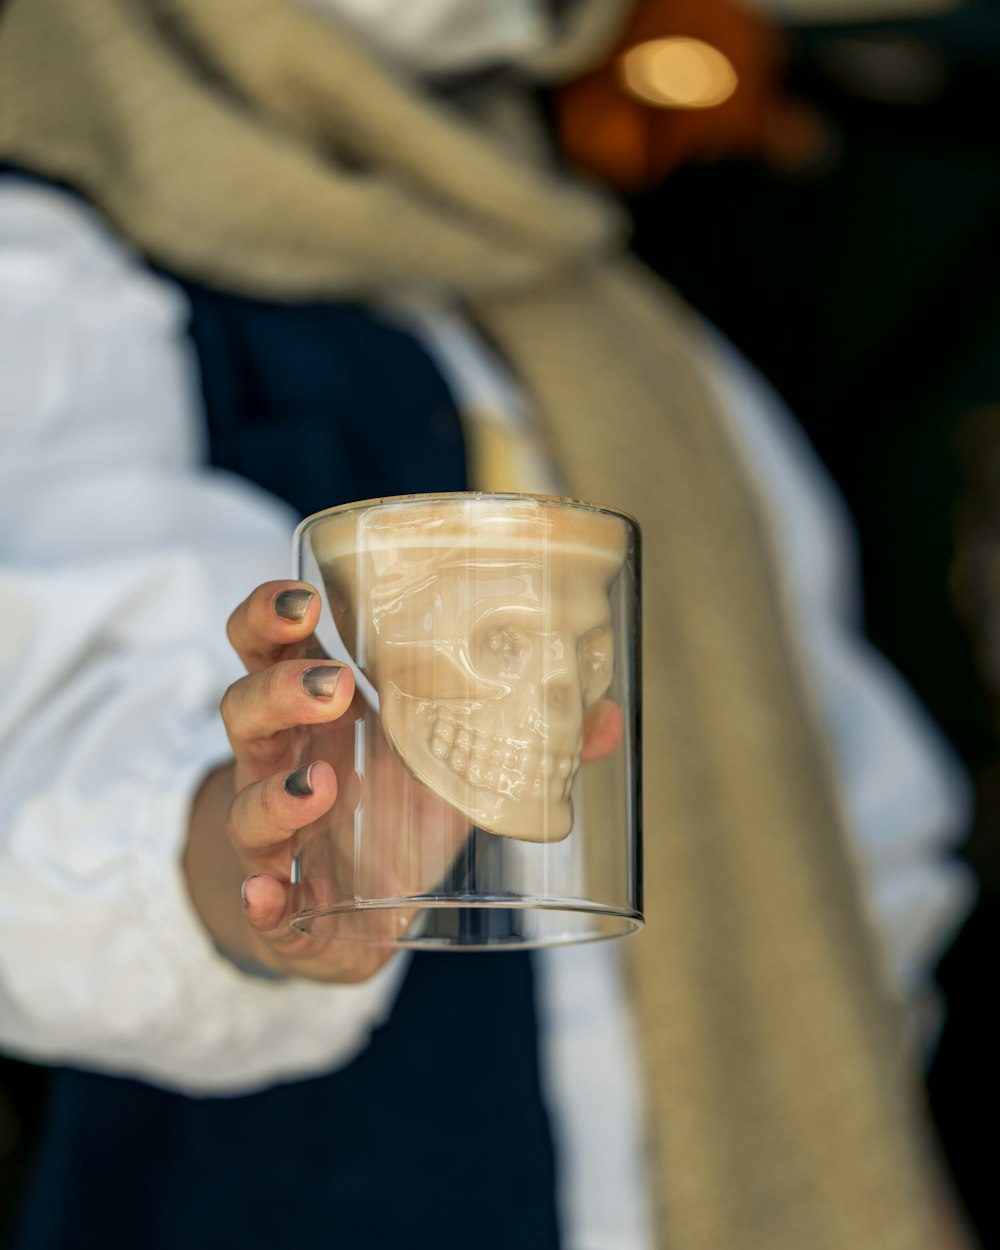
(251, 144)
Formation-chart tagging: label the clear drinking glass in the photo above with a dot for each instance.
(489, 779)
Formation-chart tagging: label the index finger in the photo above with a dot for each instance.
(274, 617)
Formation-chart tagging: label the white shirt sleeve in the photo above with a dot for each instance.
(121, 557)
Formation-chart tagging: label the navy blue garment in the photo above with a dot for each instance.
(358, 398)
(436, 1135)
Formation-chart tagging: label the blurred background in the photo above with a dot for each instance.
(831, 200)
(862, 275)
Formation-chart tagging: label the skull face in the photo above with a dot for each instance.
(487, 636)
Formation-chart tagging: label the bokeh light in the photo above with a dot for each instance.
(678, 73)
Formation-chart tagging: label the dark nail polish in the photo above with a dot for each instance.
(321, 683)
(297, 784)
(291, 605)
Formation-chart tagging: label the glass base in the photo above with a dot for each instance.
(480, 924)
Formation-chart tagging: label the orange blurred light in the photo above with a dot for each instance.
(678, 73)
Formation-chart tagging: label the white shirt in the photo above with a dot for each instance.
(445, 36)
(121, 556)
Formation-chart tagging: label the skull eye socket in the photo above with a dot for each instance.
(505, 652)
(595, 658)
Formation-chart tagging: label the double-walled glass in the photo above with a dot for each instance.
(489, 780)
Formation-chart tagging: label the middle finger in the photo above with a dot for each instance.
(257, 708)
(265, 814)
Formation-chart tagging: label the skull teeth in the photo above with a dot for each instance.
(511, 767)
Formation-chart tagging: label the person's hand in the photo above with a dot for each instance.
(240, 846)
(290, 724)
(603, 730)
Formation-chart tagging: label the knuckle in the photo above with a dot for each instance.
(273, 682)
(227, 705)
(233, 820)
(266, 805)
(236, 625)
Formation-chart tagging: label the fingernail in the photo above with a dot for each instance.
(291, 605)
(297, 784)
(243, 890)
(321, 682)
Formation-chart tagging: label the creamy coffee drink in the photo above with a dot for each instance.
(485, 626)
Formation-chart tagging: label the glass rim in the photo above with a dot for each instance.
(631, 920)
(365, 505)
